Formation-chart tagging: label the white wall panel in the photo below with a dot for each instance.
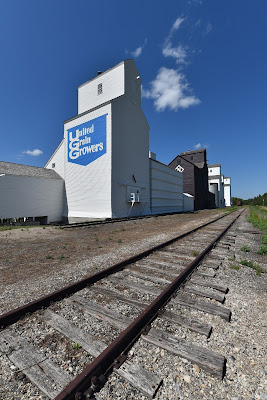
(58, 159)
(88, 188)
(31, 197)
(112, 85)
(166, 188)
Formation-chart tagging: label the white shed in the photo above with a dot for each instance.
(30, 192)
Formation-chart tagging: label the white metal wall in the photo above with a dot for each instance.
(112, 85)
(227, 192)
(31, 197)
(189, 202)
(58, 159)
(166, 188)
(88, 188)
(130, 146)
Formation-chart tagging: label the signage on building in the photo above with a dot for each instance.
(179, 168)
(87, 141)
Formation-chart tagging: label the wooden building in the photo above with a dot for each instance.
(193, 165)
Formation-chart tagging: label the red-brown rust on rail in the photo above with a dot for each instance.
(12, 316)
(80, 388)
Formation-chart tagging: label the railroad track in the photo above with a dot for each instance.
(101, 317)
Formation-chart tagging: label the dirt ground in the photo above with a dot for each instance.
(34, 261)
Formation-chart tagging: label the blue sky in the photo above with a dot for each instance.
(203, 66)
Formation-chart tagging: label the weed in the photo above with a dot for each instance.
(231, 258)
(96, 238)
(63, 247)
(61, 257)
(258, 218)
(109, 238)
(76, 346)
(195, 253)
(245, 248)
(264, 238)
(134, 222)
(44, 227)
(259, 270)
(100, 247)
(49, 257)
(119, 241)
(233, 266)
(262, 250)
(123, 229)
(88, 247)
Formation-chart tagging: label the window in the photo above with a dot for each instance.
(210, 170)
(53, 165)
(99, 88)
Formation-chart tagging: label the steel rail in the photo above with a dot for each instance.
(14, 315)
(93, 376)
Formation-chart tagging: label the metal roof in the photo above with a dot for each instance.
(193, 151)
(7, 168)
(214, 165)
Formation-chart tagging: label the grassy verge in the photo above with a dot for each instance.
(11, 227)
(258, 218)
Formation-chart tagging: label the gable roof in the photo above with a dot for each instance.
(7, 168)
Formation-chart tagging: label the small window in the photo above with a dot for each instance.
(53, 165)
(99, 88)
(210, 170)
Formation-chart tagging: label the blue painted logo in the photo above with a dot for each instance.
(87, 141)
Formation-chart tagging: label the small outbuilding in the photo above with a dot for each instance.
(30, 193)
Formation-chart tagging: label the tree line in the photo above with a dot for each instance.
(260, 200)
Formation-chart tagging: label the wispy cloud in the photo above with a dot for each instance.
(34, 153)
(200, 146)
(208, 29)
(138, 51)
(177, 52)
(170, 90)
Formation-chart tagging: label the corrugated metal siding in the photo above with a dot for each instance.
(22, 196)
(166, 192)
(88, 188)
(112, 86)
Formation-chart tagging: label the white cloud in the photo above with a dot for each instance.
(170, 90)
(34, 153)
(208, 29)
(200, 146)
(177, 24)
(179, 52)
(168, 50)
(138, 51)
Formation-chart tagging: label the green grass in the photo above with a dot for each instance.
(11, 227)
(258, 218)
(231, 258)
(195, 253)
(259, 270)
(61, 257)
(233, 266)
(76, 346)
(119, 241)
(245, 248)
(264, 238)
(49, 257)
(262, 250)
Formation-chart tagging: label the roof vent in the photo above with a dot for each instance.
(99, 72)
